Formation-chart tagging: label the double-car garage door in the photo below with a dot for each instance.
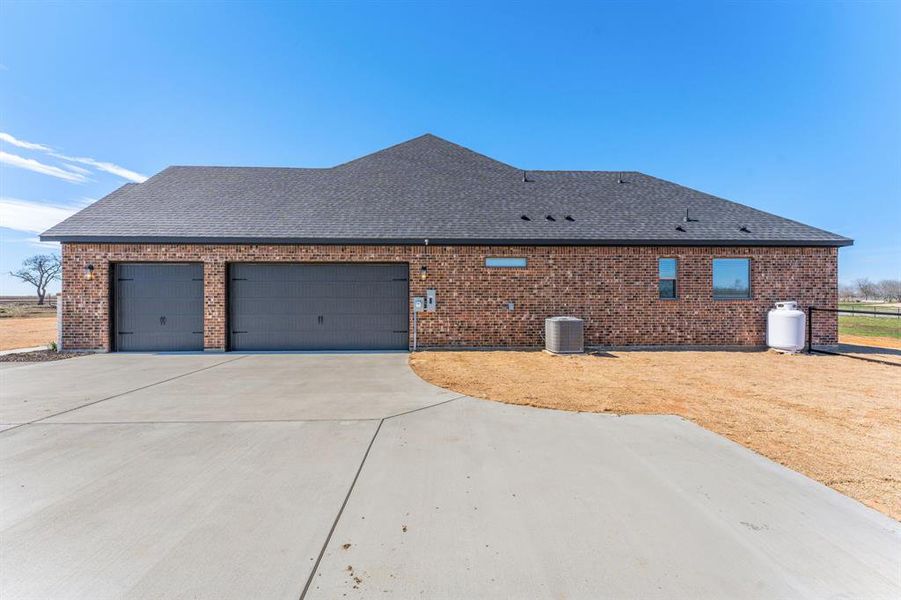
(317, 306)
(293, 306)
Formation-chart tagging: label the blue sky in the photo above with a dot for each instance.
(793, 108)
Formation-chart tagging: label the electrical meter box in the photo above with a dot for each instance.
(418, 304)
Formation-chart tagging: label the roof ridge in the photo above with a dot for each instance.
(469, 150)
(437, 141)
(606, 171)
(245, 167)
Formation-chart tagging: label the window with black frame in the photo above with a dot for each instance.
(667, 271)
(731, 278)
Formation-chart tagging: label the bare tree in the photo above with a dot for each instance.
(889, 290)
(865, 287)
(39, 271)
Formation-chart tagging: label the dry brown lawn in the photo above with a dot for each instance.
(833, 418)
(870, 340)
(26, 332)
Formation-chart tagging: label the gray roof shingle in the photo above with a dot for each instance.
(425, 188)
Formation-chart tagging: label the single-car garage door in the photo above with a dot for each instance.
(348, 306)
(158, 306)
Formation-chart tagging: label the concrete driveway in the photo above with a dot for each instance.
(320, 476)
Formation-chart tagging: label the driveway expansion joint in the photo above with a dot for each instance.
(143, 387)
(328, 538)
(407, 412)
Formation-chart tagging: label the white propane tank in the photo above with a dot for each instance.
(785, 327)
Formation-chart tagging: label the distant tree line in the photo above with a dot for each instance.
(887, 290)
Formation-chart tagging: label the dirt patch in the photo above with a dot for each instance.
(833, 418)
(26, 332)
(39, 356)
(878, 342)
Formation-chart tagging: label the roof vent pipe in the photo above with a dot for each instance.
(688, 218)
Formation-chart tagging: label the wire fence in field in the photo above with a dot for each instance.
(892, 313)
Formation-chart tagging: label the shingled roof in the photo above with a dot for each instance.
(425, 188)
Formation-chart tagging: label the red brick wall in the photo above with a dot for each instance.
(613, 288)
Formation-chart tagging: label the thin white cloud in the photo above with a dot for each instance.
(81, 170)
(102, 166)
(32, 217)
(22, 143)
(30, 164)
(73, 161)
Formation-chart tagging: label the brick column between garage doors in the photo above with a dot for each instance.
(215, 275)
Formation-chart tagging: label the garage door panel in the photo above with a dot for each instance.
(162, 323)
(364, 322)
(158, 307)
(326, 290)
(364, 340)
(314, 307)
(169, 306)
(252, 307)
(158, 288)
(305, 306)
(365, 306)
(158, 342)
(262, 323)
(281, 340)
(313, 272)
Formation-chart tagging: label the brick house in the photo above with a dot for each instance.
(221, 258)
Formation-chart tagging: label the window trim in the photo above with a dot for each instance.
(488, 259)
(674, 278)
(750, 295)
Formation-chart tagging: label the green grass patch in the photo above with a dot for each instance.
(870, 326)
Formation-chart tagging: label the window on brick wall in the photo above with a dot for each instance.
(506, 262)
(667, 271)
(731, 278)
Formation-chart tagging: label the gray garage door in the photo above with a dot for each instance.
(318, 306)
(158, 307)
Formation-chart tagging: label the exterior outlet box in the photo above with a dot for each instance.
(418, 304)
(430, 302)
